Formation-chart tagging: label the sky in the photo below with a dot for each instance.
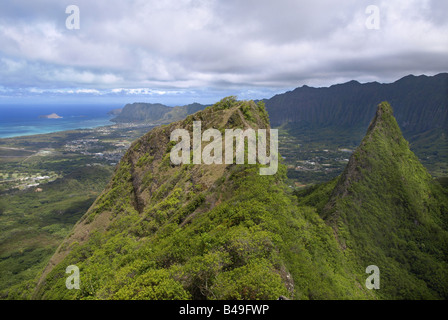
(182, 51)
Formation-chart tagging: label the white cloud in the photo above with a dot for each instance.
(91, 91)
(189, 44)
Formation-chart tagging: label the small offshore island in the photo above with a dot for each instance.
(51, 116)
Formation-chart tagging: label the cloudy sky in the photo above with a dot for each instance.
(181, 51)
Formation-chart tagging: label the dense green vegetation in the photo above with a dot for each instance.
(164, 231)
(388, 211)
(35, 219)
(32, 224)
(255, 245)
(202, 232)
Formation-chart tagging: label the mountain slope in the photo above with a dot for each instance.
(141, 112)
(164, 231)
(154, 113)
(386, 210)
(336, 117)
(420, 103)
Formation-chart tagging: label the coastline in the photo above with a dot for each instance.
(28, 120)
(52, 131)
(108, 127)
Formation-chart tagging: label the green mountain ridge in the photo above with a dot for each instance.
(164, 231)
(388, 211)
(160, 231)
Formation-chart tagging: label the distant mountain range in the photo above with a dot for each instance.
(420, 104)
(154, 113)
(337, 116)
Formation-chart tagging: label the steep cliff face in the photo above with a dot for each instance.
(345, 110)
(420, 104)
(154, 113)
(389, 212)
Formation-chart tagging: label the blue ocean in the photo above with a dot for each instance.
(22, 120)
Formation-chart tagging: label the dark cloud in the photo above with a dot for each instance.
(247, 46)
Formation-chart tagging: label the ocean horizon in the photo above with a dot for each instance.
(24, 120)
